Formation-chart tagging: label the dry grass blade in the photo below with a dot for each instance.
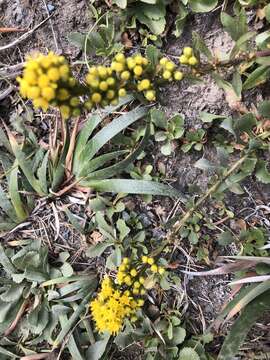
(71, 148)
(20, 313)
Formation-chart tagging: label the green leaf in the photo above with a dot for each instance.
(246, 123)
(166, 149)
(236, 26)
(159, 119)
(121, 3)
(106, 134)
(262, 173)
(209, 118)
(257, 77)
(203, 5)
(187, 353)
(227, 124)
(6, 205)
(152, 54)
(180, 20)
(5, 262)
(267, 12)
(225, 238)
(132, 187)
(249, 315)
(204, 164)
(200, 46)
(96, 350)
(15, 195)
(98, 249)
(264, 109)
(241, 42)
(179, 335)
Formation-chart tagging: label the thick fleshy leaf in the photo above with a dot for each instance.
(242, 325)
(132, 187)
(203, 5)
(122, 165)
(106, 134)
(15, 195)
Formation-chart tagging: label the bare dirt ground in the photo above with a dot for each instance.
(207, 295)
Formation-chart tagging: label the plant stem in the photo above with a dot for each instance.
(179, 224)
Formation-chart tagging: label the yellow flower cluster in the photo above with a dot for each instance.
(107, 84)
(130, 277)
(153, 267)
(47, 81)
(169, 71)
(112, 306)
(188, 58)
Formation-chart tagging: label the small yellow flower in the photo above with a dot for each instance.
(136, 284)
(122, 92)
(128, 280)
(144, 259)
(120, 57)
(154, 268)
(130, 63)
(170, 66)
(141, 280)
(96, 98)
(187, 51)
(133, 272)
(53, 74)
(138, 70)
(163, 61)
(103, 85)
(192, 61)
(161, 270)
(125, 75)
(122, 267)
(110, 94)
(145, 84)
(167, 75)
(65, 111)
(110, 81)
(48, 93)
(183, 60)
(150, 261)
(117, 66)
(150, 95)
(178, 75)
(126, 261)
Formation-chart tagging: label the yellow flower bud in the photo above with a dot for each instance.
(103, 85)
(88, 105)
(117, 66)
(33, 92)
(110, 94)
(65, 111)
(170, 66)
(96, 98)
(183, 59)
(192, 61)
(178, 75)
(163, 61)
(136, 284)
(125, 75)
(126, 261)
(144, 259)
(167, 75)
(133, 272)
(53, 74)
(122, 92)
(110, 81)
(161, 270)
(135, 291)
(140, 302)
(43, 81)
(138, 70)
(187, 51)
(138, 59)
(74, 101)
(122, 267)
(130, 63)
(145, 84)
(120, 58)
(48, 93)
(150, 95)
(154, 268)
(128, 280)
(150, 261)
(141, 280)
(102, 71)
(142, 291)
(64, 71)
(63, 94)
